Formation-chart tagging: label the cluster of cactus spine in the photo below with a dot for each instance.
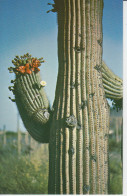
(77, 129)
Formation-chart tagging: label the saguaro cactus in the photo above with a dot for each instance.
(77, 127)
(79, 136)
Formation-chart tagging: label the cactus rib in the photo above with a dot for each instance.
(86, 144)
(79, 145)
(72, 160)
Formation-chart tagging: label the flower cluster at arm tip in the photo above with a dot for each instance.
(26, 64)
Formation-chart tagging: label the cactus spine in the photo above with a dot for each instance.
(77, 130)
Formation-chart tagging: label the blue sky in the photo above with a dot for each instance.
(26, 27)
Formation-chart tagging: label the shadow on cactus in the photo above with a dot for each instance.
(30, 97)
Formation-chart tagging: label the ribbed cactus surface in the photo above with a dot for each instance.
(33, 106)
(78, 146)
(113, 85)
(77, 129)
(31, 98)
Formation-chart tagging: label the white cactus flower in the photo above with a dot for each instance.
(43, 83)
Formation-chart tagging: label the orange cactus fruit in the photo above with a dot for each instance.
(35, 62)
(21, 69)
(27, 70)
(27, 65)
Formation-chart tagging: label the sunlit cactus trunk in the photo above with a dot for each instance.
(78, 145)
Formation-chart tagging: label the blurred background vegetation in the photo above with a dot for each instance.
(24, 162)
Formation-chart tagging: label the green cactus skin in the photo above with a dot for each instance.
(33, 105)
(113, 85)
(77, 130)
(79, 154)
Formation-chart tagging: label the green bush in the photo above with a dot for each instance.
(24, 174)
(28, 173)
(115, 177)
(114, 146)
(115, 168)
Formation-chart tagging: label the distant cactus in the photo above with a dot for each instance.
(77, 128)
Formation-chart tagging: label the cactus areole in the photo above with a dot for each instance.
(77, 128)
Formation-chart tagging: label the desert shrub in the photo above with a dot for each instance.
(115, 177)
(115, 167)
(114, 146)
(24, 174)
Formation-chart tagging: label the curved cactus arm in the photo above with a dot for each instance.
(112, 84)
(32, 101)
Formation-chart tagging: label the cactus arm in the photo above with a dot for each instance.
(113, 85)
(32, 101)
(33, 106)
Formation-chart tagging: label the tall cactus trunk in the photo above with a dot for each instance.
(78, 145)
